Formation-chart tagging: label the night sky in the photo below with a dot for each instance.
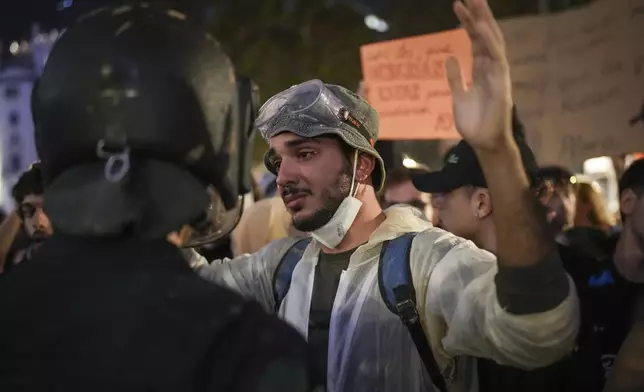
(16, 16)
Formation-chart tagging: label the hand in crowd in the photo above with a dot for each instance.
(482, 112)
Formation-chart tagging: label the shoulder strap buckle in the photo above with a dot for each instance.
(405, 306)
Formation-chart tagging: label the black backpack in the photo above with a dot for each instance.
(396, 288)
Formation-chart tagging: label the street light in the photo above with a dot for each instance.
(375, 23)
(64, 4)
(14, 48)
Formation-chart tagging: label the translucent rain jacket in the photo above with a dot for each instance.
(369, 347)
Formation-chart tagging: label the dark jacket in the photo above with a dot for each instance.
(130, 315)
(606, 303)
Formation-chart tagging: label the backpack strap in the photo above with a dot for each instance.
(284, 271)
(397, 290)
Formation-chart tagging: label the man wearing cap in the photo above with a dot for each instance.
(321, 140)
(464, 205)
(460, 193)
(628, 373)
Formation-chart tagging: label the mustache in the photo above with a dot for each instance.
(39, 235)
(291, 189)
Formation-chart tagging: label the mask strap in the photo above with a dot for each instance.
(353, 177)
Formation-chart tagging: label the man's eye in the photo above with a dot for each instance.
(305, 154)
(28, 210)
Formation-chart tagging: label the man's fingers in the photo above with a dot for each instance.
(454, 76)
(465, 16)
(467, 22)
(481, 11)
(494, 24)
(492, 45)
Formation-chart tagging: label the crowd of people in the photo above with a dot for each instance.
(141, 256)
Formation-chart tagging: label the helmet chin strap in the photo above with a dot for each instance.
(354, 186)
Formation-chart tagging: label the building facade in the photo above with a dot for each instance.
(18, 73)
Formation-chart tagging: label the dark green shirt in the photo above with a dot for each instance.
(325, 286)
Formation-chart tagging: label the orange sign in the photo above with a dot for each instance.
(406, 82)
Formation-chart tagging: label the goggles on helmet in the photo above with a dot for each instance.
(311, 103)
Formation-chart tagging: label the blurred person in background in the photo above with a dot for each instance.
(593, 227)
(630, 248)
(464, 207)
(561, 197)
(399, 189)
(592, 211)
(262, 223)
(28, 223)
(109, 303)
(628, 370)
(268, 185)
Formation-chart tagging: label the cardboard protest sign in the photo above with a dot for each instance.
(592, 85)
(528, 55)
(406, 82)
(578, 81)
(635, 33)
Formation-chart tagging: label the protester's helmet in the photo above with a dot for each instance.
(146, 83)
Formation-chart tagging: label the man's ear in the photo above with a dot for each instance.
(627, 202)
(483, 202)
(366, 166)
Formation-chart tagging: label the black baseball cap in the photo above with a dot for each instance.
(462, 168)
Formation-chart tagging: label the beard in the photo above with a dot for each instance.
(39, 236)
(332, 197)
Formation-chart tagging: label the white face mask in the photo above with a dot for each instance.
(332, 233)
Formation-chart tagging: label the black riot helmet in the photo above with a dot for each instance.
(249, 103)
(138, 111)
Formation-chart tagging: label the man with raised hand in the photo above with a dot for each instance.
(387, 301)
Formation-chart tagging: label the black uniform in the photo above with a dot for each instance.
(130, 315)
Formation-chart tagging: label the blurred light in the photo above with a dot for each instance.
(14, 48)
(176, 14)
(64, 4)
(410, 163)
(53, 36)
(375, 23)
(598, 165)
(24, 46)
(573, 180)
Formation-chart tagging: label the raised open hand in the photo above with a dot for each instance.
(482, 113)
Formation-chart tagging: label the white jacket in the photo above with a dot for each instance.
(369, 347)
